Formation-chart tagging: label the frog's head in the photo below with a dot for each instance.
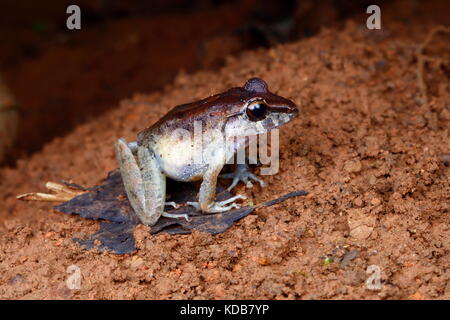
(260, 110)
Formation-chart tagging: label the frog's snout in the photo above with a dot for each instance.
(291, 108)
(294, 110)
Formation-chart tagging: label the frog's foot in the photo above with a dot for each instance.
(176, 215)
(242, 173)
(172, 204)
(220, 206)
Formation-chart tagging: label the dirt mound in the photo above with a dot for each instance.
(370, 153)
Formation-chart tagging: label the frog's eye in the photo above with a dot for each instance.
(256, 111)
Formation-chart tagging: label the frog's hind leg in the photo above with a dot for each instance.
(145, 184)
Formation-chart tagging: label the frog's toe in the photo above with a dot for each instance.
(236, 197)
(221, 206)
(172, 204)
(176, 216)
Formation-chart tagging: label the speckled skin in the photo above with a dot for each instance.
(168, 147)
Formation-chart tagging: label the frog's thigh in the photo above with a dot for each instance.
(154, 182)
(148, 204)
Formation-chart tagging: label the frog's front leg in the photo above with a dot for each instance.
(207, 193)
(145, 184)
(242, 173)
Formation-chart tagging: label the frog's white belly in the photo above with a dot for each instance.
(183, 160)
(176, 159)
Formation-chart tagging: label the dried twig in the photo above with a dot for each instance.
(61, 193)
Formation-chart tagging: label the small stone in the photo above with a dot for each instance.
(353, 166)
(396, 196)
(361, 232)
(263, 261)
(361, 224)
(375, 202)
(49, 234)
(358, 202)
(233, 253)
(310, 234)
(134, 263)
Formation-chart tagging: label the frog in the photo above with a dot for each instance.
(159, 153)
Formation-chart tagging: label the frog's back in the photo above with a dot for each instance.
(210, 112)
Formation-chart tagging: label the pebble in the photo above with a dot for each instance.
(361, 232)
(361, 225)
(358, 202)
(353, 166)
(375, 202)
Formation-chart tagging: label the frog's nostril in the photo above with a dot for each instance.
(292, 109)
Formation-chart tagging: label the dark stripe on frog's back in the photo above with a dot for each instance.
(209, 110)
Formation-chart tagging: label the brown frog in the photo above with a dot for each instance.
(194, 141)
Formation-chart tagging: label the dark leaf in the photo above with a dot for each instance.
(109, 202)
